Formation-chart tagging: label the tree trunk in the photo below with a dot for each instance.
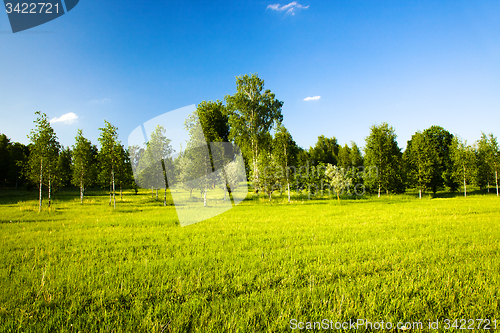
(496, 180)
(288, 186)
(121, 193)
(110, 193)
(50, 187)
(465, 184)
(156, 194)
(165, 198)
(205, 197)
(113, 177)
(420, 193)
(152, 192)
(379, 190)
(40, 194)
(270, 196)
(81, 192)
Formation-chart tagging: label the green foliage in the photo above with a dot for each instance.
(488, 161)
(339, 179)
(214, 120)
(463, 158)
(421, 161)
(64, 168)
(83, 166)
(41, 168)
(440, 139)
(271, 174)
(325, 151)
(382, 152)
(252, 114)
(109, 157)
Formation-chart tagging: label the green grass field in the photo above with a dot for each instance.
(87, 268)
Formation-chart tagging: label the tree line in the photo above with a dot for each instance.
(251, 118)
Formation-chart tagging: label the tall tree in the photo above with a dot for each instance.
(214, 120)
(44, 152)
(252, 114)
(440, 139)
(489, 158)
(284, 152)
(83, 168)
(421, 160)
(383, 153)
(109, 157)
(464, 162)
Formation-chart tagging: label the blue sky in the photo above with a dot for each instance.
(411, 64)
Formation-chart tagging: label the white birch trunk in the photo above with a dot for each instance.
(40, 194)
(465, 184)
(113, 177)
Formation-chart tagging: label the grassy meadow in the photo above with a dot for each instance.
(89, 268)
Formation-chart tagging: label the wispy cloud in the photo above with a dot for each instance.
(314, 98)
(291, 8)
(100, 101)
(68, 118)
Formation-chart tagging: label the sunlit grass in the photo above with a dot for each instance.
(254, 268)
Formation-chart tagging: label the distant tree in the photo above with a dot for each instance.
(325, 151)
(83, 166)
(5, 159)
(109, 156)
(124, 175)
(489, 159)
(351, 161)
(271, 174)
(44, 152)
(383, 153)
(19, 154)
(252, 114)
(64, 168)
(463, 159)
(339, 179)
(214, 120)
(440, 139)
(484, 172)
(421, 160)
(284, 152)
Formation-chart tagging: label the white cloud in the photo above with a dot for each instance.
(314, 98)
(290, 8)
(68, 118)
(100, 101)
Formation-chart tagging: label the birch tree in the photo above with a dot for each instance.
(489, 156)
(108, 157)
(252, 113)
(383, 153)
(463, 158)
(44, 151)
(84, 170)
(284, 151)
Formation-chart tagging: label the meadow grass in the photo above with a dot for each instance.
(89, 268)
